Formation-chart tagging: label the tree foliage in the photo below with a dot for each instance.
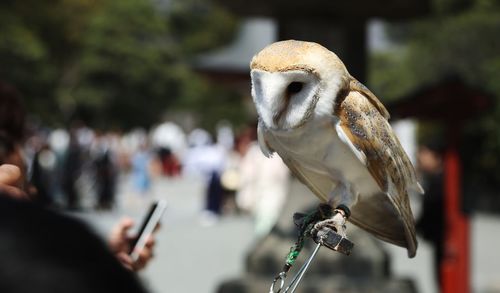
(111, 63)
(466, 44)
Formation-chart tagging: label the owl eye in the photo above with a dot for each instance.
(295, 87)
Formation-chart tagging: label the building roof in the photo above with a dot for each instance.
(329, 10)
(254, 34)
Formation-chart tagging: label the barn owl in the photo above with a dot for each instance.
(333, 134)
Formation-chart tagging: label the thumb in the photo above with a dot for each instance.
(125, 260)
(10, 175)
(118, 236)
(124, 225)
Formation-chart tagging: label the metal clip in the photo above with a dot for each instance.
(327, 236)
(298, 276)
(281, 277)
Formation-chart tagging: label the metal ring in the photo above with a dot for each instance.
(282, 277)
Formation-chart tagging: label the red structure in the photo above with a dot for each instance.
(449, 102)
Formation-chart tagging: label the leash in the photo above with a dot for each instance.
(325, 237)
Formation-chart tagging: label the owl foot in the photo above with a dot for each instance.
(336, 223)
(332, 232)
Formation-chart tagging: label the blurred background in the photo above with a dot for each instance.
(133, 100)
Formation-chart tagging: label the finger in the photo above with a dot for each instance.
(119, 240)
(10, 174)
(144, 257)
(13, 192)
(145, 254)
(131, 238)
(125, 224)
(150, 243)
(157, 227)
(125, 260)
(120, 230)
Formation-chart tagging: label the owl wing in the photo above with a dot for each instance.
(363, 126)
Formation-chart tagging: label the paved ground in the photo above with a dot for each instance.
(194, 257)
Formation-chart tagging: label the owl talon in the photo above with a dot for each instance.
(332, 232)
(336, 223)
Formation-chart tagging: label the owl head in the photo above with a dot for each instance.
(293, 81)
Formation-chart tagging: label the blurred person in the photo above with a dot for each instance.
(119, 240)
(85, 136)
(58, 141)
(225, 135)
(243, 142)
(206, 160)
(170, 165)
(231, 176)
(14, 183)
(105, 172)
(71, 170)
(213, 199)
(129, 144)
(42, 176)
(141, 168)
(170, 136)
(105, 180)
(431, 221)
(78, 167)
(203, 157)
(230, 181)
(43, 251)
(263, 187)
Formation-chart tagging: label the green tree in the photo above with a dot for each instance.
(36, 41)
(124, 75)
(466, 44)
(111, 63)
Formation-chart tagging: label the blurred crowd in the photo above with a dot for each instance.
(65, 165)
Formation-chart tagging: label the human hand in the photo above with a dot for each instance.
(11, 181)
(119, 242)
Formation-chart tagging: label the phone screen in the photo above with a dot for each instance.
(147, 227)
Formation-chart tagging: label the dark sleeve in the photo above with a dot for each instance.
(42, 251)
(431, 222)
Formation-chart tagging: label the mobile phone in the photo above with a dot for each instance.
(147, 227)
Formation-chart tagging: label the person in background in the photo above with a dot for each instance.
(170, 165)
(44, 251)
(71, 171)
(141, 168)
(206, 160)
(263, 184)
(430, 225)
(42, 168)
(105, 172)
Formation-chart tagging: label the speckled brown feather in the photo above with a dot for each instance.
(363, 120)
(355, 85)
